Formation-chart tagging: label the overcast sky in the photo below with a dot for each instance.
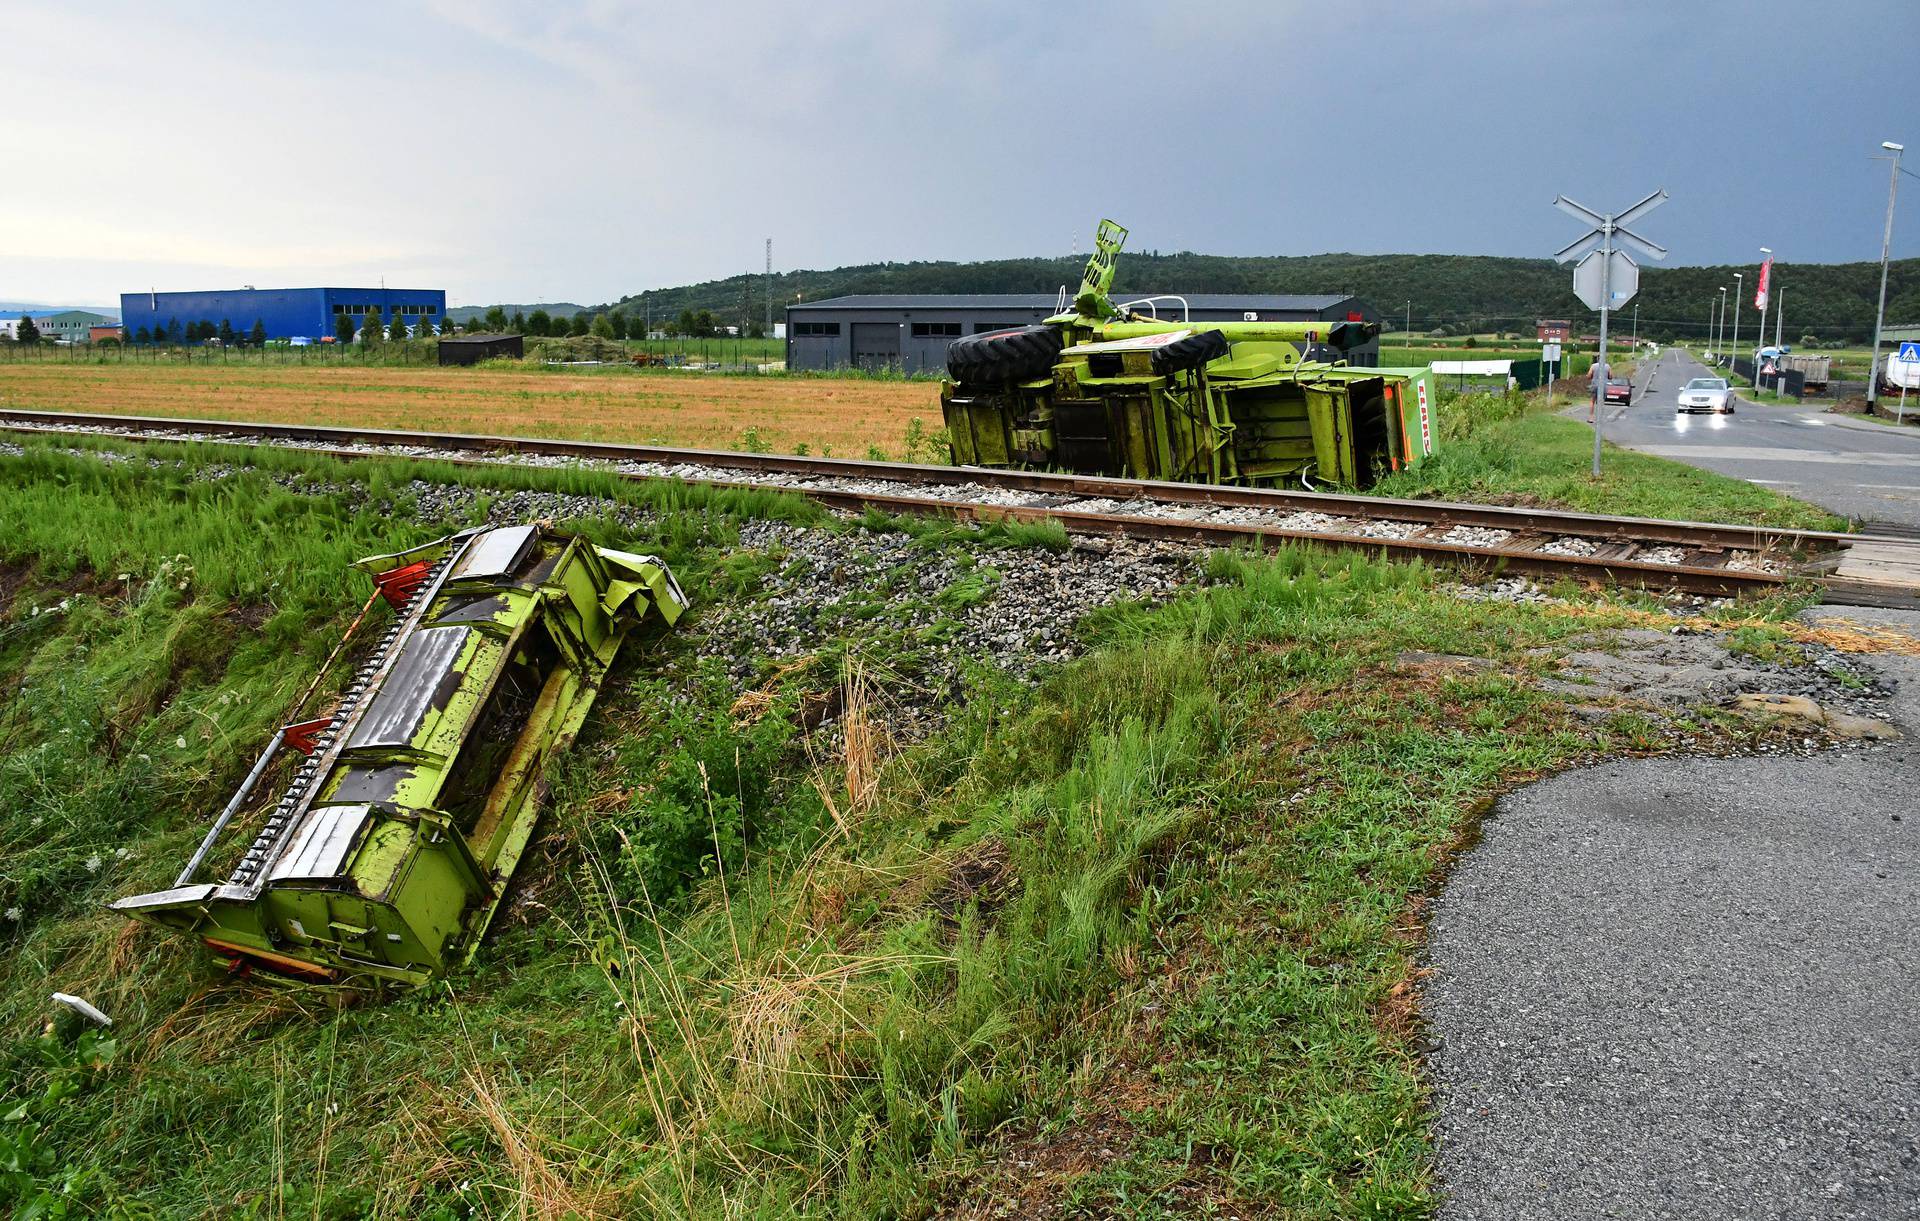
(533, 151)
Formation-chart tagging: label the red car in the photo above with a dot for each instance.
(1619, 390)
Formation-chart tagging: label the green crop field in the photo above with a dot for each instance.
(1162, 902)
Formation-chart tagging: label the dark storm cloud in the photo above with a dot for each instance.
(584, 150)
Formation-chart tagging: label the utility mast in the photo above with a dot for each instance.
(769, 330)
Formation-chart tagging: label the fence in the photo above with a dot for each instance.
(1791, 384)
(712, 352)
(393, 352)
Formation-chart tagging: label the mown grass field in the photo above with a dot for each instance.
(846, 416)
(1140, 940)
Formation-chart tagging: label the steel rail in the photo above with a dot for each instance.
(1427, 512)
(1544, 525)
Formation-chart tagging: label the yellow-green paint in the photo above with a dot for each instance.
(1271, 410)
(403, 847)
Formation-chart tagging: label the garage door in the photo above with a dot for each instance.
(876, 345)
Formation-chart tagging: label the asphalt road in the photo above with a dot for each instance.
(1866, 471)
(1688, 988)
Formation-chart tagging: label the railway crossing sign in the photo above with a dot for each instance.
(1606, 277)
(1613, 289)
(1909, 351)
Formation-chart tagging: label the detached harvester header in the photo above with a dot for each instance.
(1099, 390)
(395, 836)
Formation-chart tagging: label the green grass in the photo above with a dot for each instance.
(1506, 449)
(1159, 905)
(1912, 415)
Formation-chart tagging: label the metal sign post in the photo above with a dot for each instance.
(1909, 354)
(1604, 283)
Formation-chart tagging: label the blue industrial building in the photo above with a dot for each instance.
(287, 313)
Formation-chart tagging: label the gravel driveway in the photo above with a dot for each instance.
(1689, 988)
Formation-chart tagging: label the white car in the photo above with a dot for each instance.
(1709, 394)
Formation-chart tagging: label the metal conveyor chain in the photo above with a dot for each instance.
(280, 821)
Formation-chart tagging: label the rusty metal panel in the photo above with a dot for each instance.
(371, 783)
(473, 610)
(423, 678)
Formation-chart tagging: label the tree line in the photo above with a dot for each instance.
(605, 323)
(1452, 294)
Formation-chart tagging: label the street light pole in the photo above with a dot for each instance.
(1636, 326)
(1886, 243)
(1733, 345)
(1762, 334)
(1409, 323)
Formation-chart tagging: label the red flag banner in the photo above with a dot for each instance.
(1760, 288)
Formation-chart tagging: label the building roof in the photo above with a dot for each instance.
(236, 290)
(1048, 301)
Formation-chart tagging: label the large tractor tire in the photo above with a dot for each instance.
(1019, 355)
(1199, 348)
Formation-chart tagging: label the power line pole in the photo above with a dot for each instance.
(1886, 243)
(769, 330)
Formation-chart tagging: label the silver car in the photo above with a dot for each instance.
(1709, 394)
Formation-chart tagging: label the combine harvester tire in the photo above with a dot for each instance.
(1004, 356)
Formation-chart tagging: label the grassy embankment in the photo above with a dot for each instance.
(1508, 449)
(1140, 940)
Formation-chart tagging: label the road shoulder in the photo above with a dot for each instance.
(1684, 987)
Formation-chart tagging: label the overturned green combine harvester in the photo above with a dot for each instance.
(390, 849)
(1102, 390)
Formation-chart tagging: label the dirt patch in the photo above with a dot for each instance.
(1032, 1177)
(248, 618)
(1681, 668)
(982, 875)
(25, 580)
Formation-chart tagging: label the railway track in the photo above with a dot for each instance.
(1688, 557)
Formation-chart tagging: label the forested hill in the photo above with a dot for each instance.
(1462, 293)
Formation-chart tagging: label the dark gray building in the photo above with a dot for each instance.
(910, 332)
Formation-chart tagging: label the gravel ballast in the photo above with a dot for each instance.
(1385, 529)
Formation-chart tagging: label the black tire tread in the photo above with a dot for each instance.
(1003, 356)
(1199, 348)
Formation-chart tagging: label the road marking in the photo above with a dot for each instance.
(1763, 453)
